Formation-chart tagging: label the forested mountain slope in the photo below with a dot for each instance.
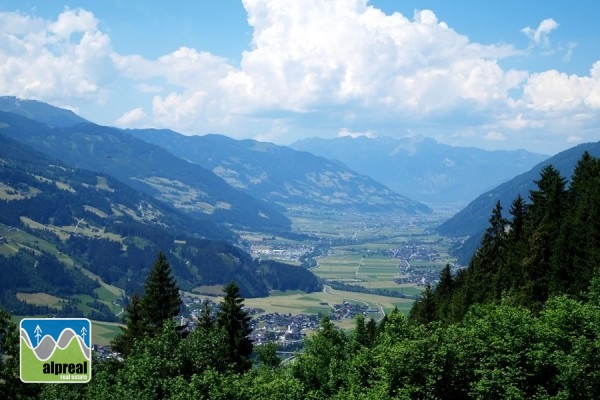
(54, 217)
(281, 175)
(473, 218)
(532, 250)
(148, 168)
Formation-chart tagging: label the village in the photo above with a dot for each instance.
(287, 330)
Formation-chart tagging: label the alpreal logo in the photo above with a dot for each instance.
(56, 350)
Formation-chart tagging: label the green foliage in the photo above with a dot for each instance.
(235, 323)
(10, 383)
(549, 247)
(319, 365)
(135, 327)
(266, 355)
(161, 300)
(146, 314)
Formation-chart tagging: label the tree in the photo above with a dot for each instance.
(266, 355)
(11, 386)
(577, 253)
(235, 323)
(145, 315)
(320, 366)
(161, 299)
(206, 320)
(542, 226)
(135, 328)
(443, 293)
(424, 308)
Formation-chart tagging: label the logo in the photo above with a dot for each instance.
(56, 350)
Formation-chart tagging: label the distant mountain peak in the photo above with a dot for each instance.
(40, 111)
(422, 168)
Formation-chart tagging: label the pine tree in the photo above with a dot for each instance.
(443, 293)
(424, 309)
(235, 323)
(577, 251)
(542, 226)
(206, 320)
(161, 299)
(134, 327)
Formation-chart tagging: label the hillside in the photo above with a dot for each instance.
(473, 219)
(63, 228)
(531, 252)
(148, 168)
(281, 175)
(40, 111)
(423, 169)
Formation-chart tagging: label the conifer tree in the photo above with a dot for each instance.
(424, 309)
(161, 299)
(443, 293)
(135, 328)
(577, 252)
(542, 226)
(206, 320)
(235, 323)
(145, 315)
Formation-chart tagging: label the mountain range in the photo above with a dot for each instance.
(107, 200)
(65, 231)
(282, 176)
(148, 168)
(423, 169)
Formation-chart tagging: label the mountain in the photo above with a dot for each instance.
(280, 175)
(67, 231)
(473, 219)
(40, 111)
(422, 168)
(148, 168)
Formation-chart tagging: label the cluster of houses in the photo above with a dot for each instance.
(106, 353)
(348, 310)
(425, 255)
(288, 330)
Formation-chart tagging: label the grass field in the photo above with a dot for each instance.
(40, 299)
(321, 302)
(371, 272)
(104, 332)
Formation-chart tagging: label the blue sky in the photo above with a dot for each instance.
(495, 75)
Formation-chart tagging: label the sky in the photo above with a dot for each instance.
(495, 75)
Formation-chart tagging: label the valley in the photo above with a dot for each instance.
(381, 260)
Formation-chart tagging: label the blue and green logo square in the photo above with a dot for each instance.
(56, 350)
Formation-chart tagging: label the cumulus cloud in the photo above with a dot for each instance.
(131, 118)
(558, 92)
(335, 67)
(63, 61)
(540, 36)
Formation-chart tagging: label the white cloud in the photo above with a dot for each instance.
(47, 61)
(555, 91)
(131, 118)
(540, 35)
(314, 67)
(495, 136)
(346, 132)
